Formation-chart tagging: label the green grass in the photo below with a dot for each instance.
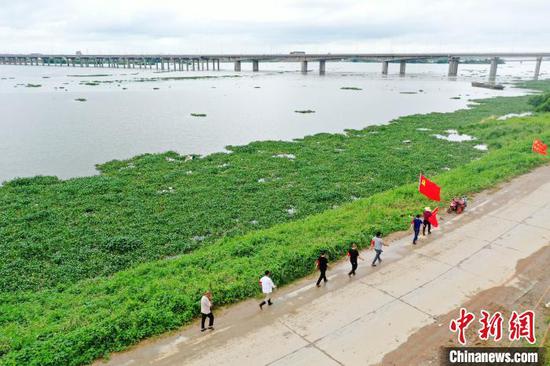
(91, 265)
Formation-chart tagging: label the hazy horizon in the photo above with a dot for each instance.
(245, 26)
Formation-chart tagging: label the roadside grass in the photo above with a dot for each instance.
(81, 322)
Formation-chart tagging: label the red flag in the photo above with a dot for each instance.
(539, 147)
(433, 218)
(429, 188)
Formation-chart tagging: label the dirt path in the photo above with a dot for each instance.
(493, 256)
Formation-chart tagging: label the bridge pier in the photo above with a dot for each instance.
(218, 63)
(537, 67)
(385, 65)
(255, 65)
(402, 66)
(493, 70)
(237, 66)
(322, 67)
(304, 67)
(453, 66)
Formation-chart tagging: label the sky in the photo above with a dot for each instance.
(277, 26)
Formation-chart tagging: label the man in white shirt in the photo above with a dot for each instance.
(267, 288)
(377, 244)
(206, 311)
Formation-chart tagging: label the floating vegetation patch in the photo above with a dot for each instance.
(408, 92)
(45, 77)
(350, 88)
(257, 87)
(304, 111)
(89, 75)
(454, 98)
(155, 88)
(33, 85)
(80, 99)
(198, 114)
(90, 83)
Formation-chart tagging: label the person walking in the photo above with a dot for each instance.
(322, 264)
(416, 223)
(377, 244)
(206, 311)
(353, 254)
(427, 223)
(267, 288)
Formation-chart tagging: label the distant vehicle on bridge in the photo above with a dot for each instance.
(297, 53)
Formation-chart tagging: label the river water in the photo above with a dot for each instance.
(45, 131)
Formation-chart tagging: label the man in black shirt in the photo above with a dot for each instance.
(353, 254)
(322, 264)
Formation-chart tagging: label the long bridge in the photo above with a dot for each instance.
(194, 62)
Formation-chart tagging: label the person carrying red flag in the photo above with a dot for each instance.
(427, 223)
(539, 147)
(429, 188)
(433, 217)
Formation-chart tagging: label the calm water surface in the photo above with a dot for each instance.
(44, 131)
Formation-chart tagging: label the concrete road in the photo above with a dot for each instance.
(360, 320)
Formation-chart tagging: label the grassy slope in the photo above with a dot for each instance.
(74, 324)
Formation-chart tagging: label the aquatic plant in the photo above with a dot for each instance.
(89, 75)
(33, 85)
(350, 88)
(80, 99)
(198, 114)
(304, 111)
(541, 102)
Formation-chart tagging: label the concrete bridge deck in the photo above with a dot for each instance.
(179, 62)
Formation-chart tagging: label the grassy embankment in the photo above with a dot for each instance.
(66, 295)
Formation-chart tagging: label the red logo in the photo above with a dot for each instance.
(461, 324)
(519, 326)
(522, 326)
(491, 326)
